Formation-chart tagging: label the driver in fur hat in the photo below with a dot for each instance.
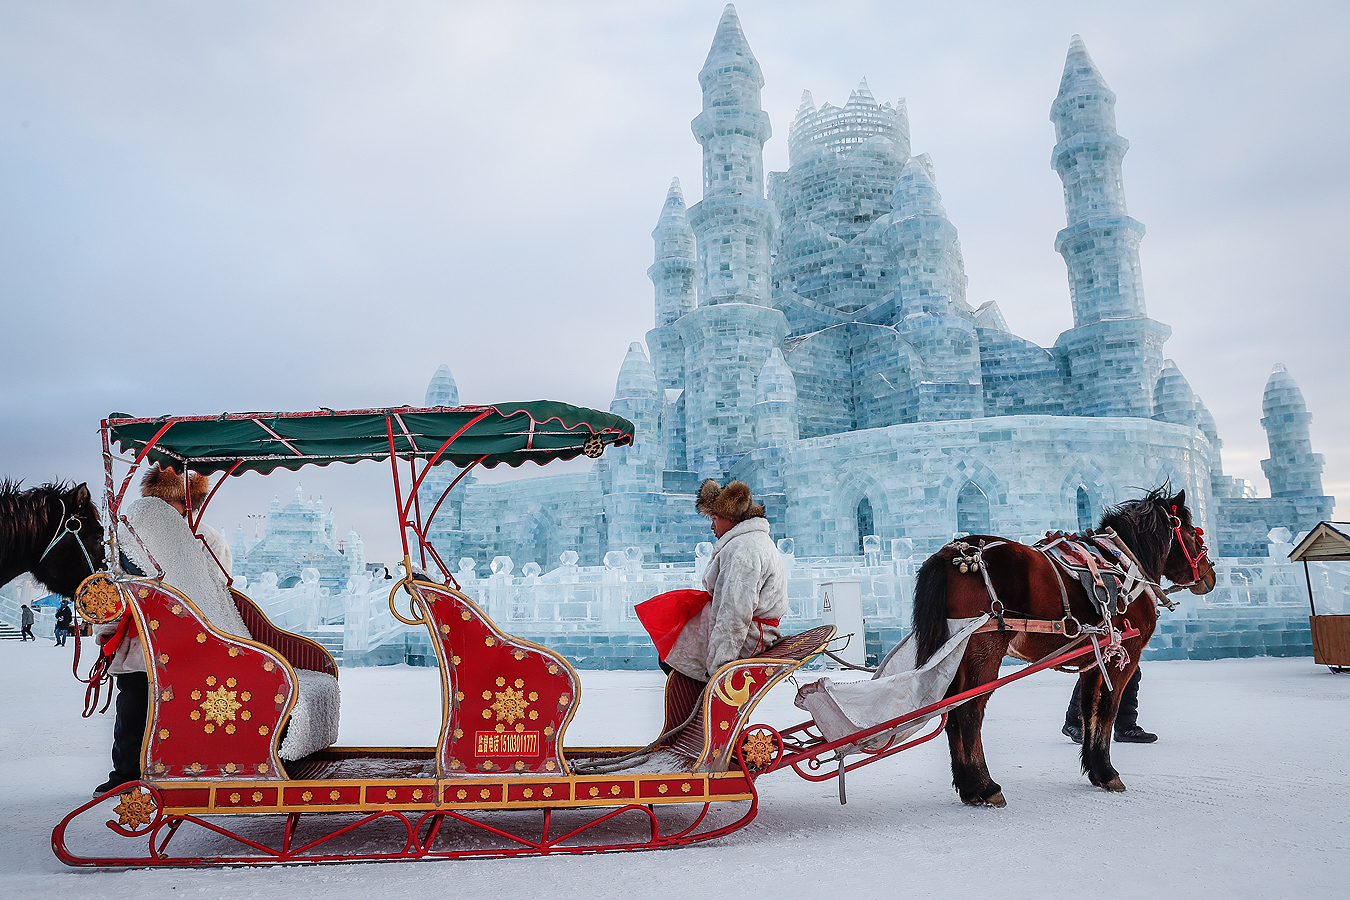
(747, 581)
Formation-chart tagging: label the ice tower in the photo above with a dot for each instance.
(442, 390)
(733, 221)
(1293, 469)
(672, 274)
(447, 532)
(729, 335)
(1296, 500)
(1114, 351)
(637, 467)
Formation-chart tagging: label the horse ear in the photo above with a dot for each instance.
(1180, 499)
(81, 494)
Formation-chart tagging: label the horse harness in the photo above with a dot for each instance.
(69, 525)
(1110, 575)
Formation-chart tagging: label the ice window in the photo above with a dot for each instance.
(972, 510)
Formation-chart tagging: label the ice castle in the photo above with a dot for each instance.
(813, 338)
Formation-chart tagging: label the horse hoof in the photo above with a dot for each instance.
(994, 800)
(1115, 784)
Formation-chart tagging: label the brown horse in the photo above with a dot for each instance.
(1157, 528)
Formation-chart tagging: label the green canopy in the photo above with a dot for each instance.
(513, 433)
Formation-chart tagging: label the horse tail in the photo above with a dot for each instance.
(930, 608)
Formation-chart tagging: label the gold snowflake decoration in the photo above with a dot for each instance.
(220, 705)
(759, 749)
(99, 599)
(509, 705)
(135, 809)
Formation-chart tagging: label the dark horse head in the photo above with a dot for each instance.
(52, 531)
(1158, 529)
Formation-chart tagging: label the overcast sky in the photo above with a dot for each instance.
(239, 206)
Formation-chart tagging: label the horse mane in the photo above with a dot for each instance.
(25, 514)
(1145, 525)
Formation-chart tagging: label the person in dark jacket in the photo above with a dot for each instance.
(65, 621)
(26, 621)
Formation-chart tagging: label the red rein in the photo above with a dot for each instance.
(98, 672)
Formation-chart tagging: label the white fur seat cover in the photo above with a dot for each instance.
(189, 569)
(314, 720)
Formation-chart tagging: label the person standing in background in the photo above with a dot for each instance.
(65, 622)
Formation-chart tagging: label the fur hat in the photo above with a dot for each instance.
(730, 502)
(167, 485)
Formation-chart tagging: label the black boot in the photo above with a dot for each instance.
(1073, 716)
(1127, 719)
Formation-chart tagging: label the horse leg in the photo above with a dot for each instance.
(1099, 719)
(970, 774)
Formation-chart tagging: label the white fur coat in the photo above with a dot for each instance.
(746, 579)
(188, 568)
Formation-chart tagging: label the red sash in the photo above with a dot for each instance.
(665, 615)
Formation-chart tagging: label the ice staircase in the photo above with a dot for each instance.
(330, 637)
(8, 632)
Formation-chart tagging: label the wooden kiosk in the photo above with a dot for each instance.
(1328, 542)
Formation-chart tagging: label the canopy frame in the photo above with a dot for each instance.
(514, 434)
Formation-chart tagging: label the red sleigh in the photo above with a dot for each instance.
(500, 782)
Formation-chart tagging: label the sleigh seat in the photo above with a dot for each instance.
(312, 722)
(506, 701)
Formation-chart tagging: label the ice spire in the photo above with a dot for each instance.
(1173, 399)
(636, 398)
(1210, 429)
(672, 272)
(862, 95)
(1293, 469)
(991, 317)
(637, 379)
(932, 272)
(442, 390)
(916, 192)
(807, 106)
(729, 47)
(1080, 72)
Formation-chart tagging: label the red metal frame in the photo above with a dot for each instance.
(413, 504)
(416, 840)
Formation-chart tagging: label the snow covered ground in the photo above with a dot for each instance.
(1245, 795)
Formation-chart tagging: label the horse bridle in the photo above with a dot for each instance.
(1194, 561)
(70, 524)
